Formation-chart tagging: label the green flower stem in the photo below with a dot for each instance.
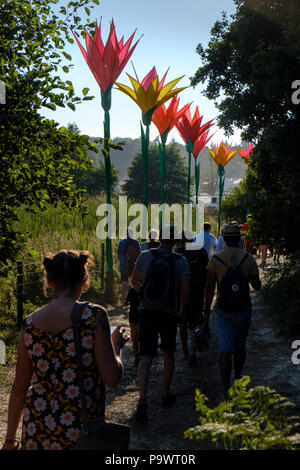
(145, 148)
(162, 170)
(189, 148)
(106, 104)
(221, 173)
(197, 178)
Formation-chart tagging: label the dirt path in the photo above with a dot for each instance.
(268, 363)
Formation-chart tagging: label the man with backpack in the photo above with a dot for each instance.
(163, 279)
(198, 260)
(232, 269)
(128, 251)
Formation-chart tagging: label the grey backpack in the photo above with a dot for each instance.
(159, 289)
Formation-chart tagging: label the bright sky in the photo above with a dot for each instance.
(171, 30)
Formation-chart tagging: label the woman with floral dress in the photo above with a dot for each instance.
(46, 389)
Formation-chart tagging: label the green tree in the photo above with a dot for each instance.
(37, 157)
(93, 179)
(248, 68)
(176, 176)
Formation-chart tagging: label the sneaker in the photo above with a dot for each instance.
(141, 415)
(193, 361)
(169, 399)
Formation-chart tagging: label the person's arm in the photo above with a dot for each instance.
(136, 279)
(107, 350)
(209, 294)
(18, 393)
(255, 282)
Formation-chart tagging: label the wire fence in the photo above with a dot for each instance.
(23, 275)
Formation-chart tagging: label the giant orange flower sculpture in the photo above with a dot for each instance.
(165, 118)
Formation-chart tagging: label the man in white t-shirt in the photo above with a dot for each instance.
(206, 240)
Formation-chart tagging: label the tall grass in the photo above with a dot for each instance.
(50, 231)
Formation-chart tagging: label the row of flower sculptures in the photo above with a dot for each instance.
(106, 62)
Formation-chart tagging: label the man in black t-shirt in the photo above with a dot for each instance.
(197, 259)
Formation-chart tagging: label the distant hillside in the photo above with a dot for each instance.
(122, 160)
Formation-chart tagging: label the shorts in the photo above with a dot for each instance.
(153, 324)
(133, 314)
(232, 329)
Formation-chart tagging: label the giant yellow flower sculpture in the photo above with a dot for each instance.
(149, 94)
(222, 156)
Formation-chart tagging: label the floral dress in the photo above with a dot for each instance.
(52, 414)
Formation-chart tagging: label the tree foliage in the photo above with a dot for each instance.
(93, 179)
(249, 66)
(37, 157)
(176, 176)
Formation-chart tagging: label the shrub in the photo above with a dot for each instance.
(282, 292)
(252, 419)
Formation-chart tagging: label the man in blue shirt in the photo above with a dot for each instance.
(126, 263)
(206, 240)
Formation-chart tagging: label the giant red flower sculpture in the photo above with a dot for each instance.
(106, 62)
(190, 129)
(245, 154)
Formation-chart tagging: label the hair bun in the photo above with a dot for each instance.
(48, 262)
(83, 257)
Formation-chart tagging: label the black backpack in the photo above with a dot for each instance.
(234, 292)
(159, 289)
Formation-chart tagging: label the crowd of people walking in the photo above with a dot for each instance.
(168, 282)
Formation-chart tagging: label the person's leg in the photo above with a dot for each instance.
(148, 340)
(264, 249)
(124, 290)
(167, 372)
(167, 331)
(226, 339)
(134, 332)
(242, 324)
(143, 376)
(225, 363)
(184, 341)
(239, 358)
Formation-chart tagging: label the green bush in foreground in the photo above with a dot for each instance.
(252, 419)
(282, 293)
